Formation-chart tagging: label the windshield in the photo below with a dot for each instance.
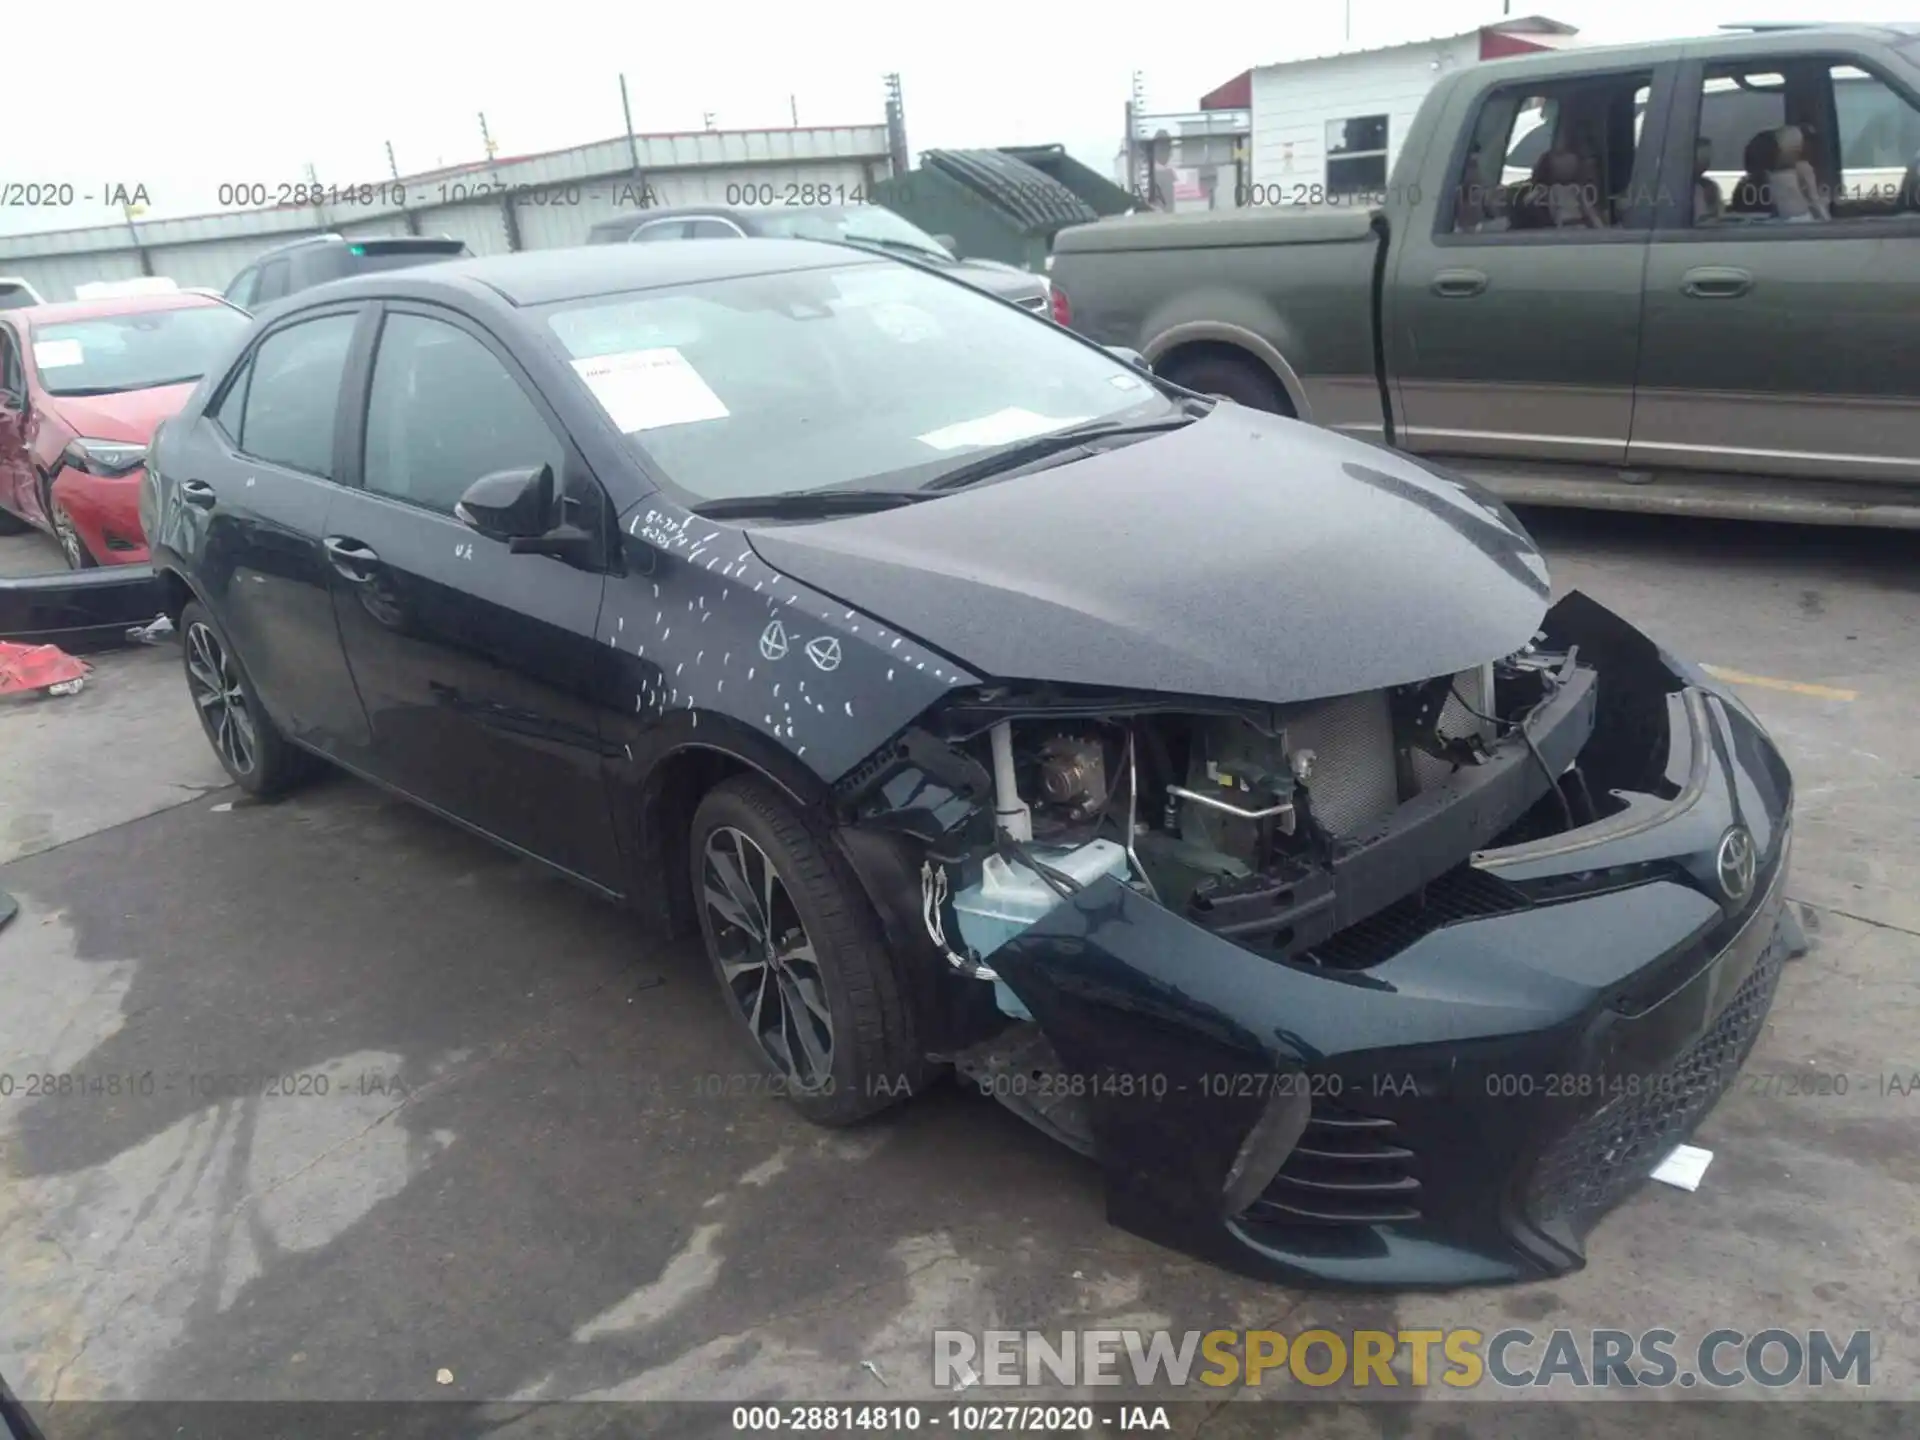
(872, 223)
(134, 351)
(769, 384)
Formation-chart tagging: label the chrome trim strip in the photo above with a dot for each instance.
(1601, 831)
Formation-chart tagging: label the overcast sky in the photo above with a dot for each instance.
(181, 98)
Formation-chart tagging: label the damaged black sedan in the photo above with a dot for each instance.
(1221, 794)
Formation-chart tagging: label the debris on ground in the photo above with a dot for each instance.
(154, 632)
(1684, 1168)
(443, 1377)
(31, 669)
(873, 1370)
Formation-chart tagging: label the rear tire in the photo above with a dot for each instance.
(799, 957)
(1241, 381)
(251, 749)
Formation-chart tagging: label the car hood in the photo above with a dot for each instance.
(1005, 281)
(129, 415)
(1245, 556)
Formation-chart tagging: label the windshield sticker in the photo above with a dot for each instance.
(648, 389)
(999, 428)
(58, 354)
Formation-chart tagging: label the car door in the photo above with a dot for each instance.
(478, 666)
(1786, 347)
(259, 466)
(1512, 329)
(16, 469)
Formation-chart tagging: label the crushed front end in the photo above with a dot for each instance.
(1400, 988)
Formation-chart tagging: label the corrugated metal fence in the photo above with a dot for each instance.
(538, 202)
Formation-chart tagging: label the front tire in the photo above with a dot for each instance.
(799, 956)
(253, 752)
(73, 545)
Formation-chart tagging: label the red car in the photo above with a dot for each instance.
(83, 385)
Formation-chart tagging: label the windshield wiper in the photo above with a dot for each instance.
(887, 242)
(806, 504)
(1024, 452)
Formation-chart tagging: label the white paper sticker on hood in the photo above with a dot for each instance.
(1000, 428)
(58, 354)
(646, 389)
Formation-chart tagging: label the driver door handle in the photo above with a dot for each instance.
(1716, 282)
(351, 558)
(197, 492)
(1459, 284)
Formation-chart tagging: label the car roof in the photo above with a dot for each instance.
(58, 312)
(542, 277)
(744, 214)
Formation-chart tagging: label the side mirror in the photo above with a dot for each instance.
(1129, 357)
(509, 504)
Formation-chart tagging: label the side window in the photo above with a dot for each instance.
(233, 406)
(1878, 139)
(659, 230)
(294, 393)
(712, 230)
(273, 281)
(13, 380)
(1554, 158)
(1357, 156)
(443, 412)
(1736, 149)
(241, 292)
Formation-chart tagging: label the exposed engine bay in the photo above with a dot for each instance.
(1275, 826)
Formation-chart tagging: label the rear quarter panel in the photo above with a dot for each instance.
(1295, 292)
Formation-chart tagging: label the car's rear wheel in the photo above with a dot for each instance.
(799, 956)
(1241, 381)
(253, 752)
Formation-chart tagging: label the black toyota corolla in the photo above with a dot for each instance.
(1221, 794)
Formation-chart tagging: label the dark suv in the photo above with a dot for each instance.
(319, 258)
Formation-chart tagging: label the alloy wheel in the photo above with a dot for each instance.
(766, 959)
(214, 682)
(69, 538)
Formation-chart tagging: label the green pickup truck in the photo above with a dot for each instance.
(1665, 277)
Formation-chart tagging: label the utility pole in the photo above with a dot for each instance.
(897, 155)
(393, 165)
(407, 216)
(793, 108)
(486, 139)
(639, 186)
(706, 118)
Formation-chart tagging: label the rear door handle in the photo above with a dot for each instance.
(351, 558)
(1716, 282)
(198, 492)
(1459, 284)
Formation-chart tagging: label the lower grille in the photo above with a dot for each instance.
(1348, 1169)
(1463, 893)
(1597, 1163)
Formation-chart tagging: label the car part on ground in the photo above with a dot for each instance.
(30, 669)
(79, 610)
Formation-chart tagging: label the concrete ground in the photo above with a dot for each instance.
(516, 1175)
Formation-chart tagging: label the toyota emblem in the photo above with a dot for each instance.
(1735, 862)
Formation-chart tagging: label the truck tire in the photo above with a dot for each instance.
(1242, 381)
(833, 976)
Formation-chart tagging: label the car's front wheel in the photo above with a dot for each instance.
(253, 752)
(799, 956)
(72, 544)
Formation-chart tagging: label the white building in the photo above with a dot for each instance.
(1333, 124)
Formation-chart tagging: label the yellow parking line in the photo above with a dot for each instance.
(1767, 682)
